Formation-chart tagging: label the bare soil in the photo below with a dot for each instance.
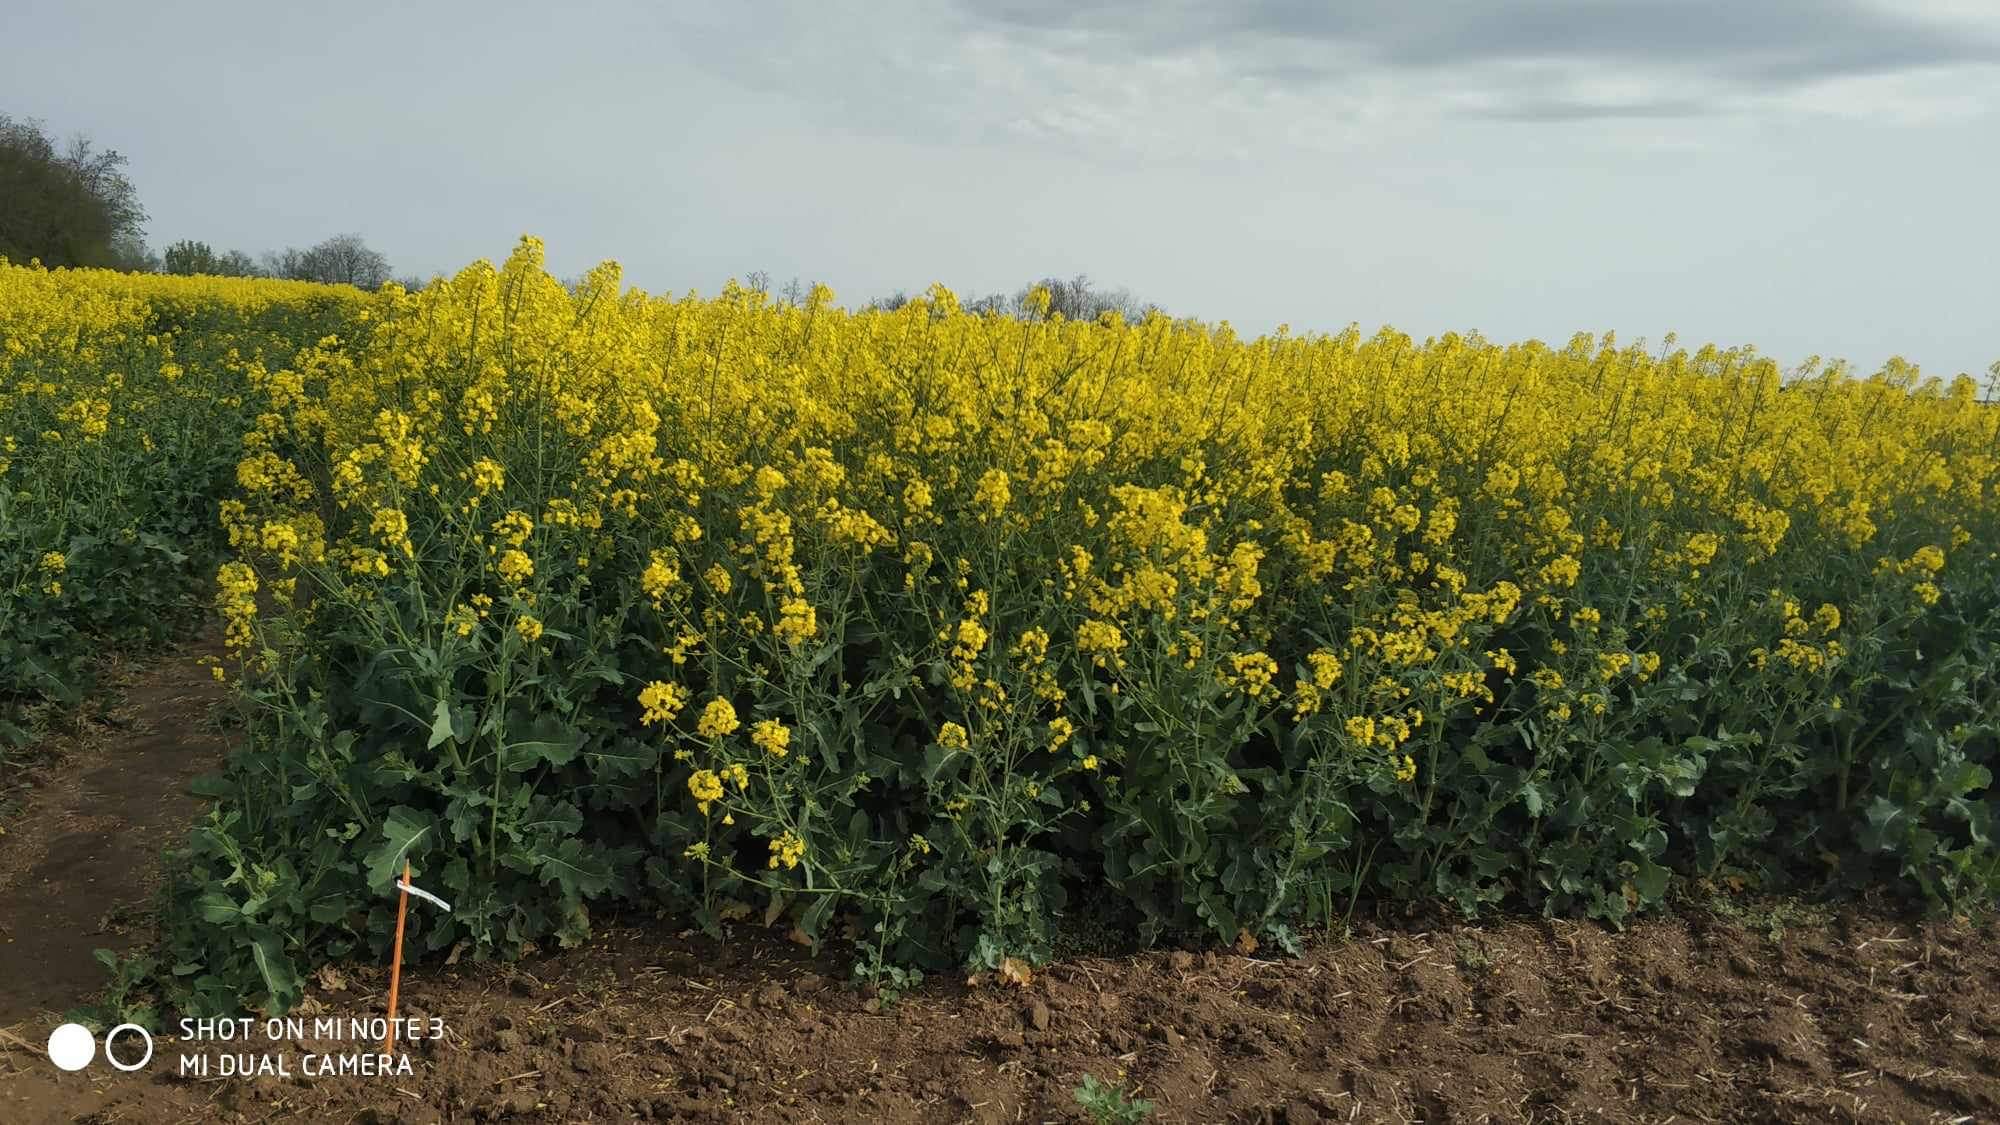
(79, 851)
(1713, 1015)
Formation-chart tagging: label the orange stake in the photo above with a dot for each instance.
(396, 964)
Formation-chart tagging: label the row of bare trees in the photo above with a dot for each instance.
(1076, 298)
(343, 259)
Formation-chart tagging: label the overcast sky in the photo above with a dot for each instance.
(1806, 176)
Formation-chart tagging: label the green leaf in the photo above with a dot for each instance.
(213, 786)
(935, 760)
(552, 743)
(441, 731)
(1218, 913)
(576, 872)
(217, 907)
(1476, 758)
(628, 758)
(401, 832)
(816, 916)
(330, 908)
(1650, 881)
(557, 820)
(463, 813)
(1881, 811)
(275, 969)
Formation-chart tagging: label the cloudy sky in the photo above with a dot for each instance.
(1806, 176)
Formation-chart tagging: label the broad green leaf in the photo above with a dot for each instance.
(577, 871)
(281, 981)
(441, 731)
(401, 831)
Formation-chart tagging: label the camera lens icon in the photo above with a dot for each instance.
(72, 1047)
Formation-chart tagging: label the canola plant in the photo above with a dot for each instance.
(930, 631)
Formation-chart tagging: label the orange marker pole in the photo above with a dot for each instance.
(396, 965)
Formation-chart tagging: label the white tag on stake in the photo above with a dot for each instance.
(424, 894)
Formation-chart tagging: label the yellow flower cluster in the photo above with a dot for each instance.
(661, 702)
(236, 598)
(788, 849)
(717, 719)
(772, 736)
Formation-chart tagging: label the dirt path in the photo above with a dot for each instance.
(80, 859)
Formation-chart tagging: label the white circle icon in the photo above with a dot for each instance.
(71, 1046)
(113, 1034)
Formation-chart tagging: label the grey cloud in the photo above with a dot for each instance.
(1558, 109)
(1745, 45)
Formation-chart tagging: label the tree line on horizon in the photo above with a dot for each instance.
(1073, 298)
(70, 204)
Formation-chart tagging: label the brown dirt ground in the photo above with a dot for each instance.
(79, 851)
(1861, 1016)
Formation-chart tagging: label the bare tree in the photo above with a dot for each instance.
(288, 263)
(992, 304)
(343, 259)
(1080, 299)
(1077, 298)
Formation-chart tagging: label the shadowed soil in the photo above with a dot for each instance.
(79, 861)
